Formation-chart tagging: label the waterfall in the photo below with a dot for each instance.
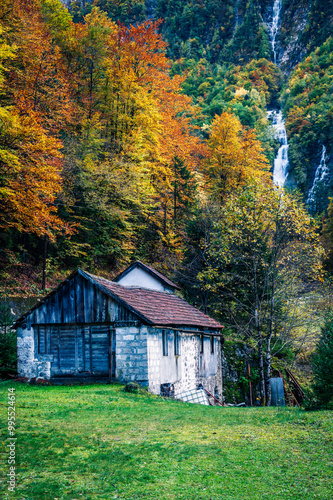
(274, 27)
(236, 7)
(280, 171)
(322, 176)
(281, 162)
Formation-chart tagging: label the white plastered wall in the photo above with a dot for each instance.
(140, 278)
(187, 370)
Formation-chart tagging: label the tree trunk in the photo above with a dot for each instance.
(269, 358)
(250, 384)
(90, 91)
(259, 335)
(165, 219)
(261, 362)
(268, 373)
(269, 341)
(44, 263)
(261, 371)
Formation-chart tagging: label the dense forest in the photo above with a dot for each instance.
(140, 130)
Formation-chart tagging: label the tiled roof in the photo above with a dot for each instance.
(151, 270)
(159, 308)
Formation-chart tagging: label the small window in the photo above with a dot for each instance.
(176, 340)
(165, 343)
(201, 344)
(212, 345)
(43, 339)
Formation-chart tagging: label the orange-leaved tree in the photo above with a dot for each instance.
(33, 106)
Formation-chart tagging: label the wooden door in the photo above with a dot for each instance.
(99, 349)
(68, 352)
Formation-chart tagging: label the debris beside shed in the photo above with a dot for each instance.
(197, 396)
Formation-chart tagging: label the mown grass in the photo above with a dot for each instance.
(97, 442)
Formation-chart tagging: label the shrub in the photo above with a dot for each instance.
(8, 356)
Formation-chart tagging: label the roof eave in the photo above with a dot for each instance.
(188, 325)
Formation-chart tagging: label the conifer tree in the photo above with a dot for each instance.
(322, 364)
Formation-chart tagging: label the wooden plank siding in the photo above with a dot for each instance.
(74, 327)
(77, 349)
(80, 302)
(100, 349)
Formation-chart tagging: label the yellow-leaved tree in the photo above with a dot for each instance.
(263, 254)
(235, 156)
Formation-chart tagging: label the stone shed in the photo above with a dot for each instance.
(135, 328)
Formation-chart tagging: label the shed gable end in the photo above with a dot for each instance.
(140, 278)
(141, 275)
(79, 301)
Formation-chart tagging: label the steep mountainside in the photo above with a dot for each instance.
(305, 25)
(232, 30)
(308, 105)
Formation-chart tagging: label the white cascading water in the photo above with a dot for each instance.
(236, 17)
(281, 163)
(274, 27)
(322, 175)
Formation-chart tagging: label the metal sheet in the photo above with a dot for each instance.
(277, 392)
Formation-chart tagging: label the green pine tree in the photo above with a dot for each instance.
(322, 364)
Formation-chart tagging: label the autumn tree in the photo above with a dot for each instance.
(131, 121)
(145, 124)
(264, 249)
(235, 156)
(327, 235)
(30, 153)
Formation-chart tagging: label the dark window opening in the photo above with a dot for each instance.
(165, 343)
(176, 339)
(43, 340)
(212, 345)
(201, 344)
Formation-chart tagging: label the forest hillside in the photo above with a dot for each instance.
(195, 136)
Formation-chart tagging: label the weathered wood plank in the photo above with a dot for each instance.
(79, 298)
(54, 349)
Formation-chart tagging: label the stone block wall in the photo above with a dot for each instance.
(131, 355)
(28, 365)
(139, 358)
(154, 350)
(163, 369)
(26, 352)
(189, 358)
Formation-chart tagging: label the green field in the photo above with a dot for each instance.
(95, 441)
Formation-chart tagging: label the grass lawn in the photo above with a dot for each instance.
(97, 442)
